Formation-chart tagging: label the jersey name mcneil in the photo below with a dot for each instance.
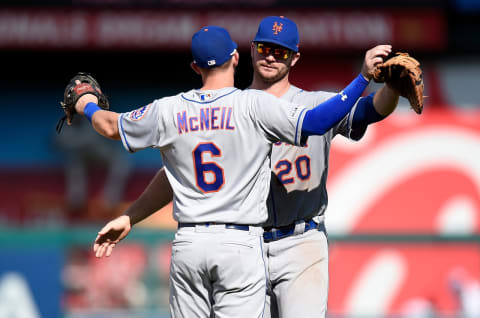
(208, 118)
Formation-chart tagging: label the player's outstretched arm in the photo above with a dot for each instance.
(103, 121)
(385, 100)
(378, 105)
(324, 116)
(155, 196)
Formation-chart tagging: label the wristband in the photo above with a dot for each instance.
(90, 109)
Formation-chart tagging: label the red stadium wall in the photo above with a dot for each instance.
(410, 173)
(322, 30)
(402, 279)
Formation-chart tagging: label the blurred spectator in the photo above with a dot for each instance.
(87, 153)
(467, 290)
(418, 307)
(111, 283)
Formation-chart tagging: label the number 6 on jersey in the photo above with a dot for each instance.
(209, 175)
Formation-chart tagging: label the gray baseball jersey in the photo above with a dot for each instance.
(298, 264)
(215, 146)
(299, 190)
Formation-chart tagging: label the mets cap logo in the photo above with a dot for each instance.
(277, 27)
(139, 113)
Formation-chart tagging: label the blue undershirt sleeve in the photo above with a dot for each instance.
(364, 115)
(324, 116)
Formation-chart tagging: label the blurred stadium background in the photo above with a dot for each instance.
(404, 213)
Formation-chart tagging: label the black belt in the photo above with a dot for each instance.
(207, 224)
(273, 234)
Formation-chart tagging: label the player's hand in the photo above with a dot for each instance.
(110, 235)
(83, 101)
(373, 57)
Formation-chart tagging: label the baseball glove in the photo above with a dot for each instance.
(80, 84)
(403, 74)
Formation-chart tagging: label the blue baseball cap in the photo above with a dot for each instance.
(212, 46)
(278, 30)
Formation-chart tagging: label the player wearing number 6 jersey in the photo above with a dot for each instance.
(215, 143)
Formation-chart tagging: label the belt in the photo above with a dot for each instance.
(273, 234)
(207, 224)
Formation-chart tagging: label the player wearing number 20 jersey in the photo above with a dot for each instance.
(296, 246)
(301, 172)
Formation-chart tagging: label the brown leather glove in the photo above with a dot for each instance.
(403, 74)
(80, 84)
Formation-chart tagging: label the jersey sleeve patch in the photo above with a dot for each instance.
(140, 112)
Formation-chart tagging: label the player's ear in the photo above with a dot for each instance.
(235, 58)
(296, 57)
(252, 49)
(195, 68)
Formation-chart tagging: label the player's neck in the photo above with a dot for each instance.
(277, 89)
(218, 80)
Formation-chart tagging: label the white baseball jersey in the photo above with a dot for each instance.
(215, 145)
(298, 191)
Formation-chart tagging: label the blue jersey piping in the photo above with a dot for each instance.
(123, 134)
(210, 101)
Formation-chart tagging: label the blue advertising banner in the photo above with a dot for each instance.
(30, 282)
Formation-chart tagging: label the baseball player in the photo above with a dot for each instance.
(215, 143)
(295, 237)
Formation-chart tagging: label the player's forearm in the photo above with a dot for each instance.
(364, 115)
(106, 124)
(156, 196)
(385, 100)
(103, 121)
(323, 117)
